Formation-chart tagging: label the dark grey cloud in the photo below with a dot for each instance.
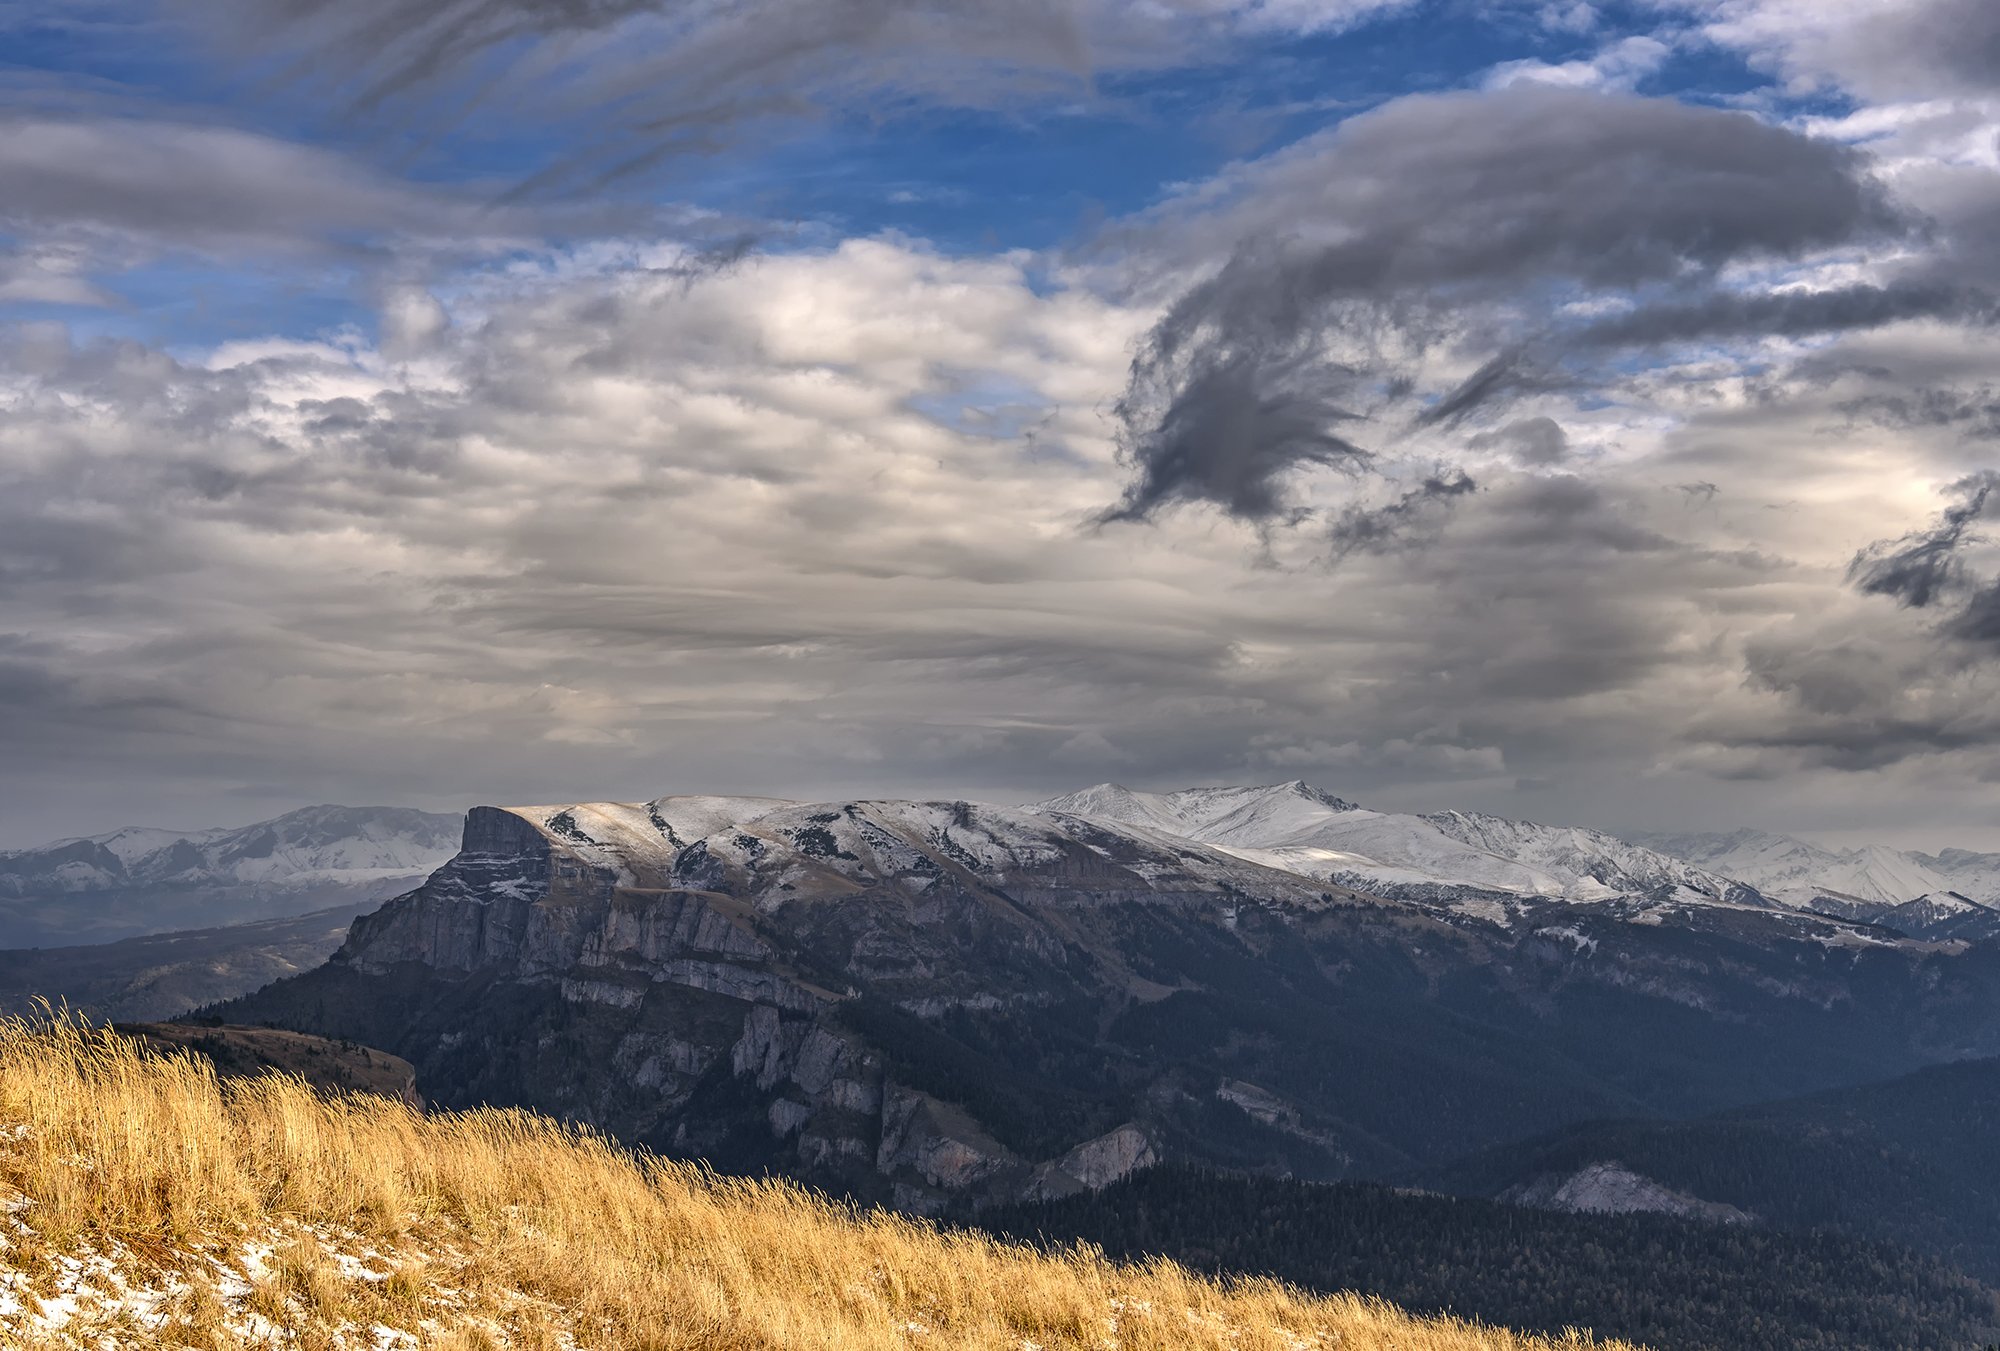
(205, 187)
(1790, 314)
(1471, 220)
(1225, 423)
(1504, 376)
(1532, 441)
(1532, 619)
(1860, 699)
(85, 195)
(1396, 525)
(1570, 516)
(1928, 567)
(1485, 190)
(1978, 619)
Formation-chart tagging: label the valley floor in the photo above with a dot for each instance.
(149, 1204)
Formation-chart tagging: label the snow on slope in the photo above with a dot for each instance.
(312, 844)
(1800, 873)
(126, 883)
(1940, 916)
(616, 835)
(702, 840)
(1298, 828)
(1972, 875)
(1252, 817)
(1587, 856)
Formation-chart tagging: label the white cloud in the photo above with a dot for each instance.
(1619, 66)
(1311, 16)
(1879, 49)
(1568, 16)
(411, 319)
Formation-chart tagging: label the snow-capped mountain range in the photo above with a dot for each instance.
(1300, 829)
(1800, 873)
(137, 880)
(140, 880)
(866, 992)
(1296, 827)
(340, 843)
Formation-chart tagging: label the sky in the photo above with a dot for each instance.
(1580, 412)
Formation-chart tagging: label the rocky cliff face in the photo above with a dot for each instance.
(706, 964)
(925, 1002)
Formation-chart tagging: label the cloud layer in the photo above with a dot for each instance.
(641, 83)
(1542, 446)
(823, 521)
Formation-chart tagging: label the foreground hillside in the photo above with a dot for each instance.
(153, 1205)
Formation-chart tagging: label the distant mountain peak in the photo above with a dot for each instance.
(145, 880)
(1300, 828)
(1304, 789)
(791, 981)
(1186, 810)
(1856, 879)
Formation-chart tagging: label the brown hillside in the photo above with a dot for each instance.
(154, 1204)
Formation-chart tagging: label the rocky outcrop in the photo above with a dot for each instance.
(1094, 1164)
(931, 1148)
(1610, 1188)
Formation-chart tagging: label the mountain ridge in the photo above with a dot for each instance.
(1300, 828)
(164, 975)
(1906, 1160)
(915, 1001)
(138, 880)
(1804, 874)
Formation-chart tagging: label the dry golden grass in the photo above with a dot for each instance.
(372, 1224)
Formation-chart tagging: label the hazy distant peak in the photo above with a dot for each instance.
(1801, 873)
(1300, 828)
(145, 880)
(307, 827)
